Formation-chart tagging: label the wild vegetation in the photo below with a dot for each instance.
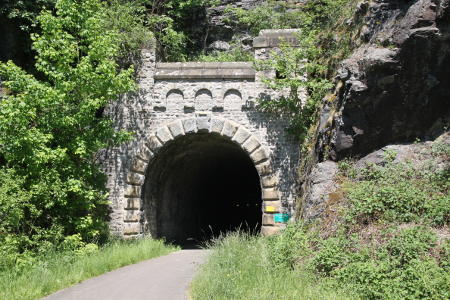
(60, 269)
(385, 235)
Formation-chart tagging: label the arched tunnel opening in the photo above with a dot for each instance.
(199, 186)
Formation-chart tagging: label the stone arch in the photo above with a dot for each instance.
(203, 99)
(135, 179)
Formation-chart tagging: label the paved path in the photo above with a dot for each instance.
(162, 278)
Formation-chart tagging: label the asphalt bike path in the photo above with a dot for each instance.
(162, 278)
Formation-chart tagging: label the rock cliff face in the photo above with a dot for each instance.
(393, 89)
(220, 33)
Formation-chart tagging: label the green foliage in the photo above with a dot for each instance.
(60, 269)
(128, 19)
(391, 241)
(270, 14)
(400, 268)
(400, 193)
(51, 132)
(170, 20)
(241, 267)
(235, 54)
(25, 10)
(324, 38)
(297, 69)
(285, 249)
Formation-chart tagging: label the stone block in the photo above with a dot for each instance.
(270, 230)
(267, 219)
(133, 191)
(259, 156)
(164, 134)
(132, 228)
(260, 42)
(139, 166)
(270, 194)
(217, 125)
(203, 124)
(144, 153)
(264, 168)
(241, 135)
(134, 178)
(269, 181)
(272, 206)
(176, 128)
(190, 125)
(229, 128)
(133, 203)
(251, 144)
(132, 216)
(154, 144)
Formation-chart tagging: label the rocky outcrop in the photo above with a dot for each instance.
(220, 31)
(393, 89)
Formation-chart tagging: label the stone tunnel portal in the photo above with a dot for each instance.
(200, 185)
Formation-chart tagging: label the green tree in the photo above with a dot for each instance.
(51, 129)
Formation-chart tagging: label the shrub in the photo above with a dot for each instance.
(51, 130)
(400, 193)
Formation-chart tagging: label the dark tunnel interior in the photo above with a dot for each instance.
(201, 185)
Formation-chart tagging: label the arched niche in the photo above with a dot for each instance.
(203, 100)
(232, 99)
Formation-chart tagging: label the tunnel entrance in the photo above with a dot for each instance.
(200, 185)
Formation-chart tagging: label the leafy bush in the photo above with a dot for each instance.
(236, 54)
(400, 193)
(285, 249)
(51, 131)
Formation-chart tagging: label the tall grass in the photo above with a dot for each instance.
(239, 268)
(60, 270)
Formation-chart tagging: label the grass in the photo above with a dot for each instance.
(61, 270)
(384, 235)
(239, 267)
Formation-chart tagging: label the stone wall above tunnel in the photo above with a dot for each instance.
(177, 99)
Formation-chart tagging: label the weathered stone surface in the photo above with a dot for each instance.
(219, 46)
(133, 203)
(132, 216)
(217, 125)
(190, 125)
(390, 89)
(163, 134)
(268, 219)
(203, 124)
(269, 181)
(134, 178)
(321, 183)
(264, 169)
(204, 106)
(144, 153)
(229, 128)
(272, 206)
(270, 230)
(132, 228)
(270, 194)
(241, 135)
(154, 144)
(176, 128)
(139, 166)
(259, 156)
(251, 144)
(133, 191)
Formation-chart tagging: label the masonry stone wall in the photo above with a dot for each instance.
(176, 99)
